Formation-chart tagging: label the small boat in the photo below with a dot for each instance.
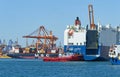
(64, 58)
(4, 56)
(114, 54)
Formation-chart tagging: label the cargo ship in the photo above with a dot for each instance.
(44, 45)
(75, 38)
(81, 40)
(114, 54)
(30, 53)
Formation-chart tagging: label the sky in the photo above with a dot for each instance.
(22, 17)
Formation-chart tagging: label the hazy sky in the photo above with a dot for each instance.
(22, 17)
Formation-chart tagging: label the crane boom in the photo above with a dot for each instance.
(44, 38)
(91, 16)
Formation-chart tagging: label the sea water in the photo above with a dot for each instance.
(38, 68)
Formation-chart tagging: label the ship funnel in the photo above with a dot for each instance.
(77, 22)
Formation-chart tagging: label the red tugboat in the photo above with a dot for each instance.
(64, 58)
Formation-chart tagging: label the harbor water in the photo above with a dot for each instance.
(38, 68)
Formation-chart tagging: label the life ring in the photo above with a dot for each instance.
(70, 32)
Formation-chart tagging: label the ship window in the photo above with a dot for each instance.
(84, 43)
(80, 43)
(70, 43)
(77, 43)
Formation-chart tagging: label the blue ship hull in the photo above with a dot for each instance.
(92, 54)
(75, 49)
(82, 50)
(115, 61)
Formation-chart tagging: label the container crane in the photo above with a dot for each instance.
(45, 39)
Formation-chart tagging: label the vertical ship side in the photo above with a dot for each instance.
(92, 45)
(75, 38)
(92, 39)
(108, 36)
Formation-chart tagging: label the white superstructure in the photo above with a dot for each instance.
(109, 35)
(75, 37)
(114, 51)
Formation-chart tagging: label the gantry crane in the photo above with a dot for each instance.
(45, 39)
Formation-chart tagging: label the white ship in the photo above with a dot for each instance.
(75, 38)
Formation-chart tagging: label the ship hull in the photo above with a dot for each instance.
(92, 54)
(30, 55)
(115, 61)
(80, 49)
(47, 57)
(104, 53)
(101, 56)
(63, 59)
